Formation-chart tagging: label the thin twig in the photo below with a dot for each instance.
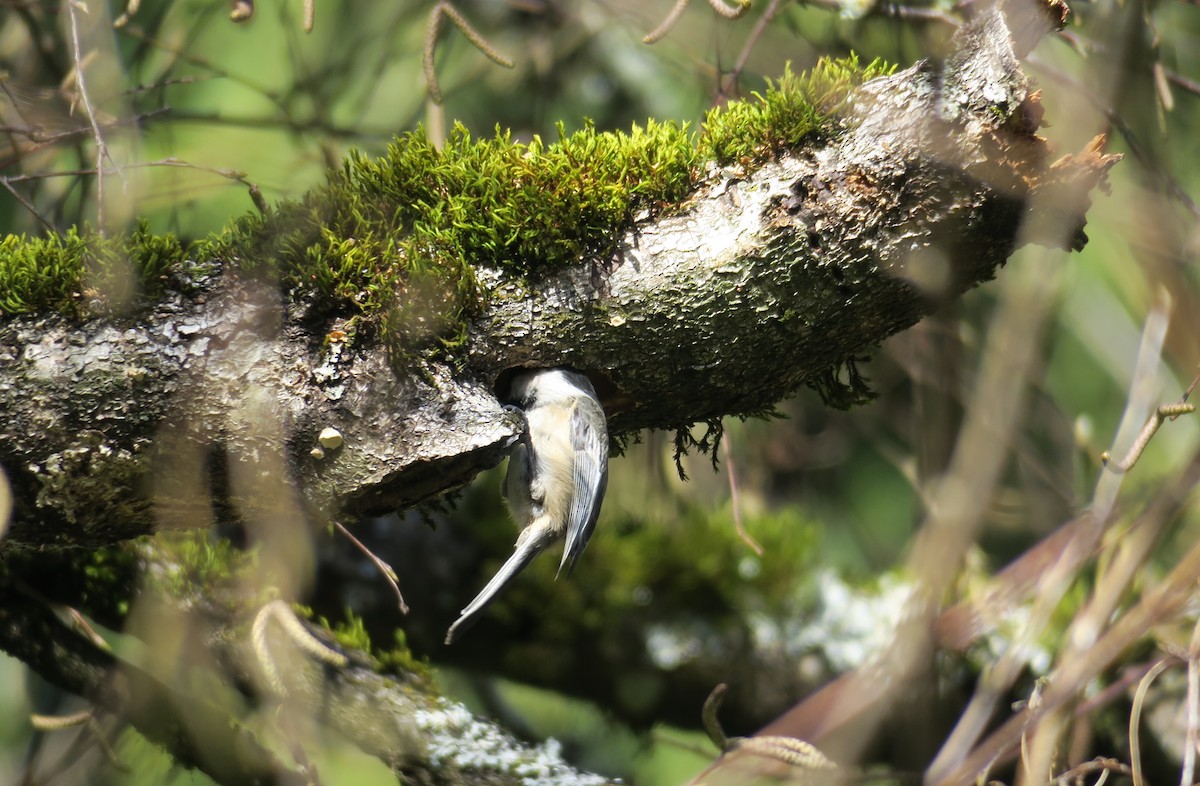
(4, 181)
(735, 11)
(723, 9)
(1135, 718)
(1102, 765)
(383, 567)
(444, 8)
(743, 58)
(1165, 412)
(1114, 574)
(1179, 80)
(664, 27)
(81, 83)
(173, 81)
(709, 720)
(427, 52)
(60, 722)
(283, 615)
(84, 627)
(1035, 698)
(41, 137)
(228, 174)
(1193, 709)
(735, 499)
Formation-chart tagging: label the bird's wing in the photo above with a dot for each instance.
(589, 442)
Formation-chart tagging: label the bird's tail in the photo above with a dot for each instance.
(522, 556)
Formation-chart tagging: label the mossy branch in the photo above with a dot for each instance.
(694, 274)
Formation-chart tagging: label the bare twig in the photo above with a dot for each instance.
(664, 27)
(739, 65)
(723, 9)
(178, 80)
(80, 80)
(25, 203)
(735, 499)
(1135, 717)
(1102, 765)
(1179, 80)
(1114, 576)
(708, 717)
(60, 722)
(1186, 777)
(383, 567)
(228, 174)
(1162, 603)
(1165, 412)
(789, 750)
(282, 614)
(40, 136)
(444, 8)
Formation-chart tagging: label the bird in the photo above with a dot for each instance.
(557, 475)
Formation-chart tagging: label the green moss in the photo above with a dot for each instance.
(351, 634)
(199, 562)
(793, 110)
(82, 271)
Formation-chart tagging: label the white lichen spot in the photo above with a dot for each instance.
(330, 438)
(457, 738)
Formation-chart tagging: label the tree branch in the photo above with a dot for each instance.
(759, 283)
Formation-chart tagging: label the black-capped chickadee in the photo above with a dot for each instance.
(557, 475)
